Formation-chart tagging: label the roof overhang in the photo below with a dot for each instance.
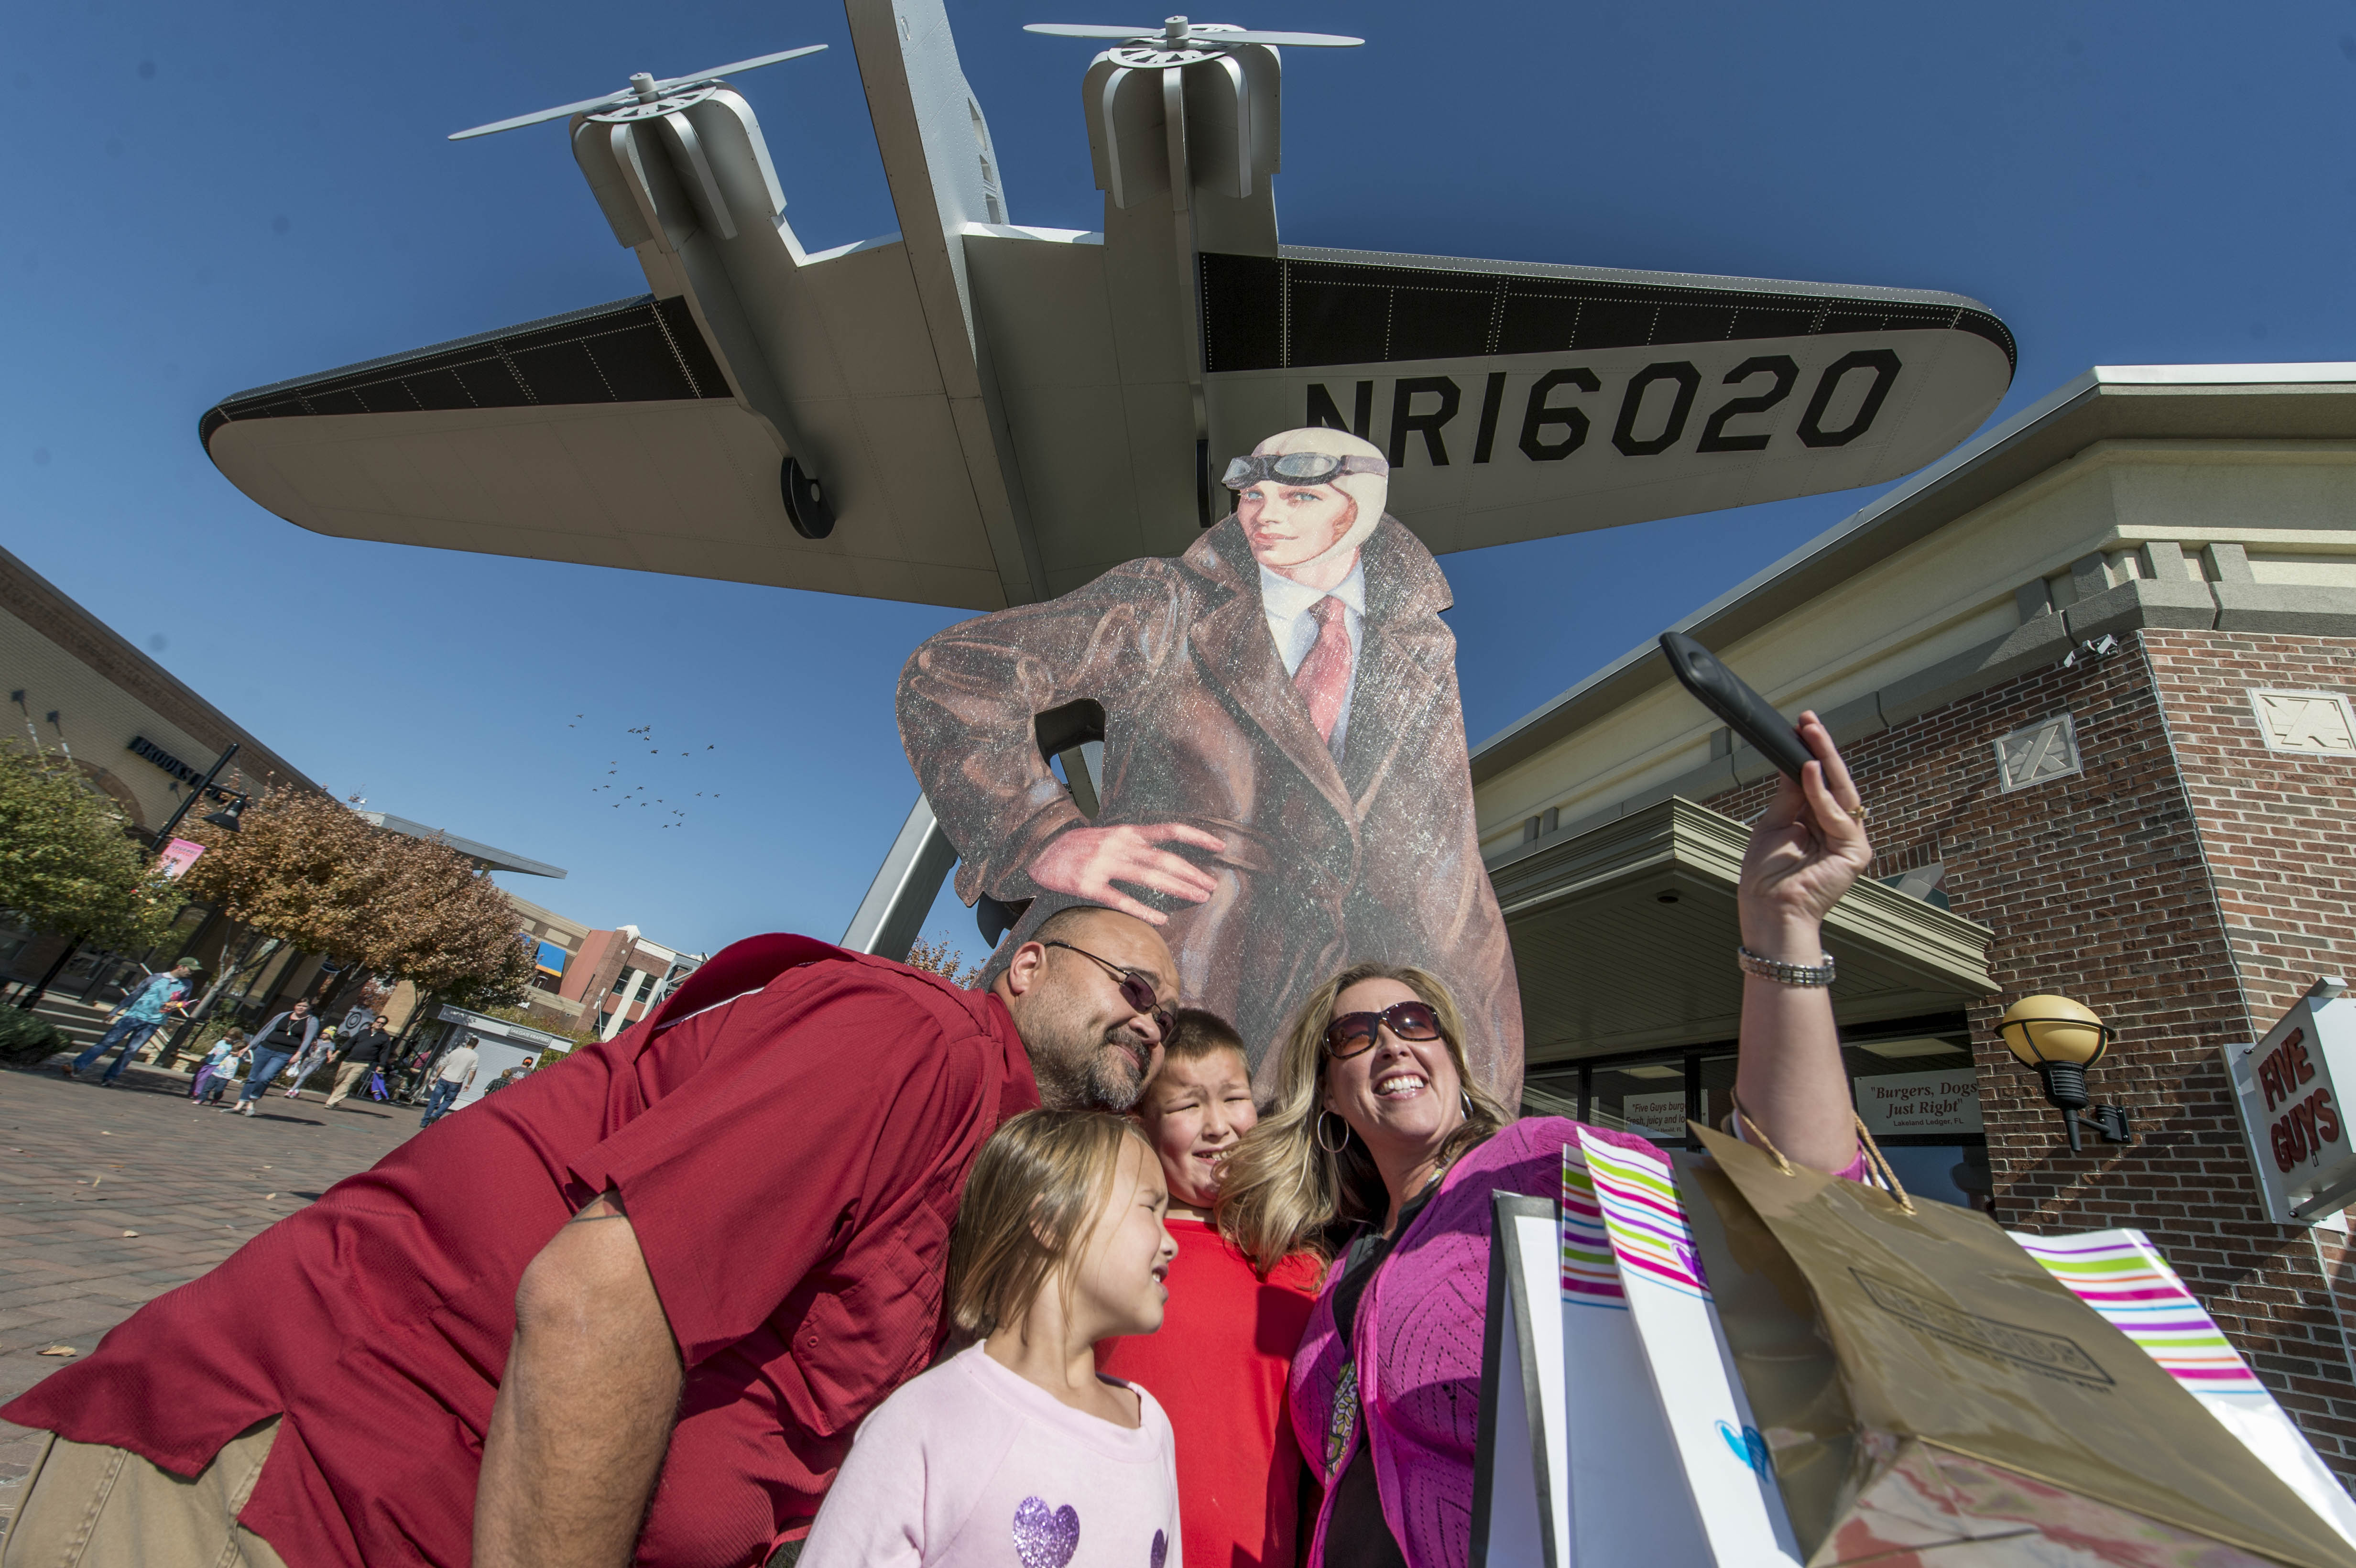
(2109, 402)
(483, 855)
(504, 1029)
(1611, 962)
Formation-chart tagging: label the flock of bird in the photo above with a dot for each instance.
(640, 733)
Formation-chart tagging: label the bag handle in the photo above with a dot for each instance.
(1875, 1160)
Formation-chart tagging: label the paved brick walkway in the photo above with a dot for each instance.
(83, 1167)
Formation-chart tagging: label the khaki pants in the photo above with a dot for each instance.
(348, 1076)
(86, 1505)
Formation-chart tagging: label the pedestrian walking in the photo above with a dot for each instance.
(412, 1087)
(457, 1071)
(310, 1062)
(275, 1044)
(363, 1053)
(220, 1065)
(141, 1014)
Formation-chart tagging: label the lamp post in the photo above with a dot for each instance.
(2060, 1039)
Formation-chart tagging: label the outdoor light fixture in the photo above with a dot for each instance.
(226, 817)
(2060, 1039)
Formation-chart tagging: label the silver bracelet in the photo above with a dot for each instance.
(1784, 974)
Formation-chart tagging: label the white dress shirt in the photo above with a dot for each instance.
(1287, 604)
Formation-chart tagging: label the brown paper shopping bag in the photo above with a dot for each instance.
(1930, 1394)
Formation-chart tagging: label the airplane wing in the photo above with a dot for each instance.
(976, 413)
(1517, 401)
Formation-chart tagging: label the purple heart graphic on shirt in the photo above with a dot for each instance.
(1045, 1537)
(1160, 1553)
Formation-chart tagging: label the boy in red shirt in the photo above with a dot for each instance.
(1219, 1366)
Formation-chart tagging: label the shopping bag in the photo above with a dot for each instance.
(1615, 1429)
(377, 1091)
(1666, 1460)
(2122, 1276)
(1521, 1494)
(1977, 1413)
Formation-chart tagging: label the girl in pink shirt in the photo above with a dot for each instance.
(1016, 1453)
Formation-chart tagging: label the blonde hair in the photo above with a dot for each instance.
(1028, 1210)
(1282, 1191)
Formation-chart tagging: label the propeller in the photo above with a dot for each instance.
(643, 89)
(1177, 33)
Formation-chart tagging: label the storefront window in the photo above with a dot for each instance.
(1918, 1093)
(1647, 1097)
(1913, 1081)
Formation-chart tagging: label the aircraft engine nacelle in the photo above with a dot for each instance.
(701, 165)
(686, 182)
(1228, 105)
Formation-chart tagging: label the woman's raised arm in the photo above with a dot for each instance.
(1806, 850)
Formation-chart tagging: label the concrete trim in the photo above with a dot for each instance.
(2160, 402)
(34, 599)
(1710, 846)
(2291, 609)
(2142, 602)
(2135, 605)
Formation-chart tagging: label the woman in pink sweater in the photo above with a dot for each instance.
(1382, 1149)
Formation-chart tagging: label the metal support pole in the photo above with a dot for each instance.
(164, 834)
(891, 916)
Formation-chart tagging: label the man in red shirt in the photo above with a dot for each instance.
(638, 1305)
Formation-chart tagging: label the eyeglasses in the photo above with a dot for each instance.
(1297, 468)
(1353, 1034)
(1135, 989)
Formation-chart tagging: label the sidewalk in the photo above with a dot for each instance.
(82, 1168)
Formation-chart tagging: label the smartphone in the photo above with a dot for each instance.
(1730, 696)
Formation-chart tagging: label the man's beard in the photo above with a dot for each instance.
(1100, 1074)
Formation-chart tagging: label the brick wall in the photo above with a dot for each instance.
(2187, 885)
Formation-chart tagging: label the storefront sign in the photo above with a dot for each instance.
(177, 857)
(1921, 1102)
(162, 759)
(2287, 1089)
(1661, 1116)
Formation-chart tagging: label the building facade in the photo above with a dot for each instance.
(2092, 674)
(79, 691)
(622, 976)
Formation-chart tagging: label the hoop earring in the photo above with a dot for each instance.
(1466, 1095)
(1320, 1134)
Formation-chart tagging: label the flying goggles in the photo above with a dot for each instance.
(1297, 468)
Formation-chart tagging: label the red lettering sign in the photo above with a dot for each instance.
(2303, 1131)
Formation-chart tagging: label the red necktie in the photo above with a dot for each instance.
(1323, 678)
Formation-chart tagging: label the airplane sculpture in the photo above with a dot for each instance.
(972, 412)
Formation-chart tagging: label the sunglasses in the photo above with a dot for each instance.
(1135, 989)
(1353, 1034)
(1297, 468)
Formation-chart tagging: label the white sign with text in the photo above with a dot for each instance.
(1946, 1102)
(1658, 1115)
(2286, 1088)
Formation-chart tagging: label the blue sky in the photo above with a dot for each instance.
(206, 199)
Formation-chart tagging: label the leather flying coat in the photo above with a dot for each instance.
(1326, 864)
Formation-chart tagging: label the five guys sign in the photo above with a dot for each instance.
(2286, 1088)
